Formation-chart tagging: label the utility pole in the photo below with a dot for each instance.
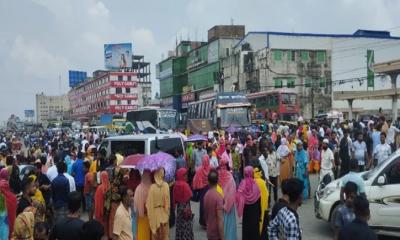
(312, 101)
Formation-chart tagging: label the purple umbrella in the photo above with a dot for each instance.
(159, 160)
(231, 129)
(196, 138)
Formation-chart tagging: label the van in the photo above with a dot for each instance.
(142, 144)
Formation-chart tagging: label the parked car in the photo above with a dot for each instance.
(382, 188)
(142, 144)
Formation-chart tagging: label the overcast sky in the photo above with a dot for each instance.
(40, 40)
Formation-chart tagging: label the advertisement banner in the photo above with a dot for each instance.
(124, 96)
(76, 78)
(189, 97)
(370, 68)
(123, 108)
(29, 113)
(124, 84)
(118, 56)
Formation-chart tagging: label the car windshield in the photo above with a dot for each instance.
(370, 173)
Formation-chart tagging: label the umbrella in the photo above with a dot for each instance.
(131, 161)
(196, 138)
(231, 129)
(159, 160)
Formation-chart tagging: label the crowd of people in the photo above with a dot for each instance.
(45, 190)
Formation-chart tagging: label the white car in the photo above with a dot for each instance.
(382, 188)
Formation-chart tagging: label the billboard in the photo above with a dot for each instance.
(29, 113)
(370, 68)
(76, 78)
(117, 56)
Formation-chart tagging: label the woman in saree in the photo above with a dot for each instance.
(200, 185)
(262, 185)
(24, 225)
(227, 183)
(313, 152)
(99, 201)
(10, 199)
(158, 207)
(284, 152)
(301, 158)
(181, 197)
(248, 204)
(139, 206)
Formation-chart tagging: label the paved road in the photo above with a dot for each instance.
(313, 229)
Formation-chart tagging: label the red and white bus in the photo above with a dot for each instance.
(275, 104)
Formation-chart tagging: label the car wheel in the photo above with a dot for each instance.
(333, 216)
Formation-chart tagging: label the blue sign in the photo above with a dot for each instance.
(76, 78)
(118, 56)
(29, 113)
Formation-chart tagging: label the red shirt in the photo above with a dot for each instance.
(88, 187)
(213, 202)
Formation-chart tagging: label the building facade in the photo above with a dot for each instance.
(106, 92)
(142, 68)
(314, 65)
(195, 71)
(51, 107)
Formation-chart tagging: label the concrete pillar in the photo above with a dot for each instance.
(350, 101)
(393, 77)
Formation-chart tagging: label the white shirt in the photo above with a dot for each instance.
(71, 180)
(382, 152)
(264, 166)
(391, 133)
(213, 162)
(326, 159)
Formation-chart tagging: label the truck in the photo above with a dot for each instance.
(112, 122)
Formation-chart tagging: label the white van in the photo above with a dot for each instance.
(143, 144)
(382, 188)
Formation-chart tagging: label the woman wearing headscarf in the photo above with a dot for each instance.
(99, 201)
(38, 201)
(200, 185)
(158, 204)
(262, 185)
(313, 152)
(139, 206)
(24, 225)
(248, 203)
(181, 197)
(301, 159)
(15, 181)
(10, 200)
(284, 152)
(227, 183)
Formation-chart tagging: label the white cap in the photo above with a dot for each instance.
(326, 141)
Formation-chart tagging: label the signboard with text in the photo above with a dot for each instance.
(124, 84)
(123, 108)
(29, 113)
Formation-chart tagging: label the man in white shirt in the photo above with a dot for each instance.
(382, 151)
(391, 133)
(359, 152)
(327, 161)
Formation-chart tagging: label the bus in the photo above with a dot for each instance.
(222, 110)
(275, 104)
(161, 118)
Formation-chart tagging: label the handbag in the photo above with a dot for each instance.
(188, 214)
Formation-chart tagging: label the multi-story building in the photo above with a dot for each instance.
(51, 107)
(105, 92)
(142, 69)
(195, 71)
(313, 65)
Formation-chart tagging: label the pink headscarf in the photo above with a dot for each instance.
(221, 148)
(200, 179)
(4, 174)
(248, 192)
(141, 192)
(227, 183)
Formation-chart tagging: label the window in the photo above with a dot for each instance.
(304, 55)
(277, 55)
(321, 56)
(127, 90)
(129, 102)
(278, 83)
(118, 90)
(129, 78)
(307, 82)
(120, 78)
(393, 173)
(290, 83)
(291, 55)
(118, 102)
(322, 82)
